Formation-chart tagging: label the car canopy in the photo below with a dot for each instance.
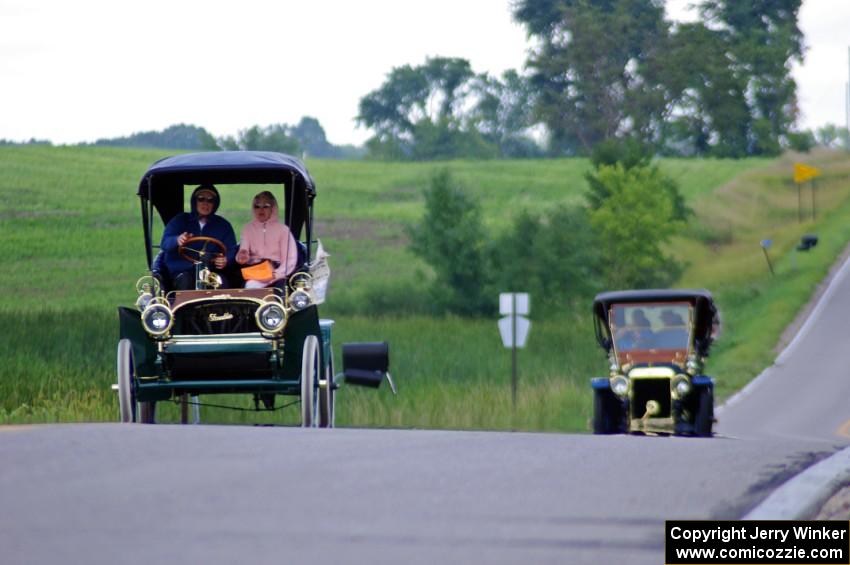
(163, 184)
(705, 312)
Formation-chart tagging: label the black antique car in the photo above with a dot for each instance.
(657, 342)
(180, 344)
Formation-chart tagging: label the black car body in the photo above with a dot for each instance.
(657, 342)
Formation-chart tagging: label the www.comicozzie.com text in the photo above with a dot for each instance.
(726, 535)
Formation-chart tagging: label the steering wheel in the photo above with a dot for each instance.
(201, 255)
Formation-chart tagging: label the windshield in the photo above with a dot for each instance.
(641, 327)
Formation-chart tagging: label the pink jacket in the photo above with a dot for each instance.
(270, 240)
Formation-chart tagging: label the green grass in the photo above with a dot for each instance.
(73, 249)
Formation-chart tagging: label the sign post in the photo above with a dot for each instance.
(804, 173)
(513, 328)
(765, 245)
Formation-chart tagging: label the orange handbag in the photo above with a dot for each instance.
(259, 272)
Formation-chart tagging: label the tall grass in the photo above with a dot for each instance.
(71, 239)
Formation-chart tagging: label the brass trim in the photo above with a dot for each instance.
(652, 373)
(213, 317)
(251, 338)
(219, 298)
(164, 332)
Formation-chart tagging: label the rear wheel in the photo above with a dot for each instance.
(326, 397)
(704, 417)
(609, 413)
(309, 379)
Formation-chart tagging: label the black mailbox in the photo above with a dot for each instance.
(807, 242)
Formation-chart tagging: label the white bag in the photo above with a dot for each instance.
(321, 272)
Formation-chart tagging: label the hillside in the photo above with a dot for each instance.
(73, 248)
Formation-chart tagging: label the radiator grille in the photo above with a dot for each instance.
(645, 390)
(216, 318)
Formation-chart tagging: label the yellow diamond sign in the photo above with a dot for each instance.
(802, 172)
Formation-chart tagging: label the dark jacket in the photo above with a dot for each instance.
(216, 227)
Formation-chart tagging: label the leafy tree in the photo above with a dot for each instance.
(450, 238)
(801, 141)
(179, 136)
(275, 137)
(629, 154)
(312, 139)
(504, 113)
(831, 135)
(763, 39)
(553, 256)
(710, 114)
(598, 69)
(442, 110)
(443, 141)
(616, 68)
(413, 95)
(633, 224)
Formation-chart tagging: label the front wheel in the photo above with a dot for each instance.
(609, 413)
(126, 392)
(309, 379)
(129, 409)
(704, 417)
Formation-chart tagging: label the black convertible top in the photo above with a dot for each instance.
(163, 183)
(706, 316)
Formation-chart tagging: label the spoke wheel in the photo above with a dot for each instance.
(129, 409)
(326, 397)
(126, 393)
(309, 381)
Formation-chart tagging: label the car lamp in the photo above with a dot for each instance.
(692, 365)
(680, 385)
(157, 319)
(143, 300)
(271, 317)
(299, 300)
(620, 385)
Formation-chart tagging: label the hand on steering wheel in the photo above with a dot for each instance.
(203, 255)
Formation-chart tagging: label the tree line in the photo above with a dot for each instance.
(307, 138)
(601, 70)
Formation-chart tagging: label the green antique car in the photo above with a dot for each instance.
(176, 345)
(657, 342)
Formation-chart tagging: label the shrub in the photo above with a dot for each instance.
(451, 239)
(633, 223)
(553, 256)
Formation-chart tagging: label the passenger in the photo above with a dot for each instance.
(674, 334)
(670, 318)
(638, 335)
(201, 221)
(639, 319)
(265, 238)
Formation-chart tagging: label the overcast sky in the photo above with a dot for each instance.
(80, 70)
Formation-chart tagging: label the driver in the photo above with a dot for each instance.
(201, 221)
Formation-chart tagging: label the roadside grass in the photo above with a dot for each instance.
(72, 239)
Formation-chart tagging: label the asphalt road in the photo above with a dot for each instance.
(115, 493)
(804, 395)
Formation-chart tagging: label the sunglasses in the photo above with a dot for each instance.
(263, 206)
(205, 199)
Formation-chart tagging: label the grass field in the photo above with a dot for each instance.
(72, 242)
